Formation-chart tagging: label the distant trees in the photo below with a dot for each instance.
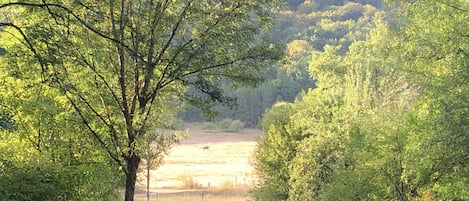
(304, 29)
(387, 120)
(225, 125)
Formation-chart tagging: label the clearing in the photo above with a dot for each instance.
(223, 168)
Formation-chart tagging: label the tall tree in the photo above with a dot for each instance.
(434, 45)
(47, 149)
(123, 64)
(388, 120)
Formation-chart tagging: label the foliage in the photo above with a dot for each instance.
(437, 61)
(46, 156)
(127, 66)
(177, 124)
(228, 125)
(31, 183)
(388, 120)
(209, 126)
(188, 181)
(26, 174)
(275, 149)
(236, 125)
(6, 121)
(305, 27)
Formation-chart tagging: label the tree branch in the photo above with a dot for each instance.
(93, 132)
(75, 16)
(29, 44)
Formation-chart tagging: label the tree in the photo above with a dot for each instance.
(388, 120)
(155, 150)
(275, 149)
(128, 62)
(357, 141)
(46, 154)
(352, 145)
(436, 59)
(304, 29)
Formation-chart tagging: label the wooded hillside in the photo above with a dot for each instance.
(389, 117)
(303, 27)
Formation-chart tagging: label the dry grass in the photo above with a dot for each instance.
(194, 195)
(223, 172)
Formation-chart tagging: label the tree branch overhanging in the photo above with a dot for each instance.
(48, 6)
(30, 46)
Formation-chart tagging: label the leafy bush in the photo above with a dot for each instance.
(274, 152)
(209, 126)
(225, 125)
(236, 125)
(187, 181)
(31, 181)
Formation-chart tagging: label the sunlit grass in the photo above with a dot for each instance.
(226, 192)
(223, 172)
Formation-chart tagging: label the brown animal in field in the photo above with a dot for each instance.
(203, 148)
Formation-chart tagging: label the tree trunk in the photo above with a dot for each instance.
(131, 176)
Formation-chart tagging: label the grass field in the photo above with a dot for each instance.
(222, 172)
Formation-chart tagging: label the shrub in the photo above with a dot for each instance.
(225, 124)
(236, 125)
(37, 181)
(187, 181)
(210, 127)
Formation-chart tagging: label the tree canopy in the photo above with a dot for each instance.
(388, 119)
(304, 29)
(117, 70)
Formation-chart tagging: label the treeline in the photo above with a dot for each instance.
(304, 26)
(389, 118)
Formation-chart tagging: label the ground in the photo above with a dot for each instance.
(226, 167)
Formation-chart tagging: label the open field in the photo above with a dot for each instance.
(195, 195)
(224, 171)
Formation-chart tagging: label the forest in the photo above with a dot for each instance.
(357, 99)
(388, 116)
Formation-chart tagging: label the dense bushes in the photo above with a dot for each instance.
(25, 181)
(227, 125)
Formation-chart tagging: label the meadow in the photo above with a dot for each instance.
(205, 166)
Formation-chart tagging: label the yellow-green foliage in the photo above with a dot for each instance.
(188, 181)
(388, 120)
